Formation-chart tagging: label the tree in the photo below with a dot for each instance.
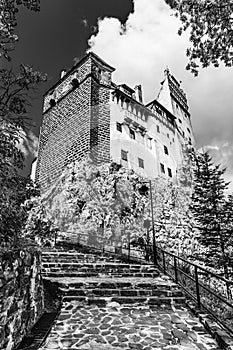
(16, 90)
(211, 35)
(15, 98)
(211, 210)
(8, 11)
(14, 188)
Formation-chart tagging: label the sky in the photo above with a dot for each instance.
(139, 38)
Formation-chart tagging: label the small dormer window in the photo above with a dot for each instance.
(124, 155)
(132, 134)
(162, 168)
(165, 150)
(141, 163)
(119, 127)
(74, 82)
(169, 172)
(52, 102)
(149, 143)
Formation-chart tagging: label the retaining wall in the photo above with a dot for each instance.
(21, 294)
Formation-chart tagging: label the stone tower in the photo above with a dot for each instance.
(76, 119)
(173, 97)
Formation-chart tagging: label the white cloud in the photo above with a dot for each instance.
(142, 50)
(148, 43)
(28, 144)
(222, 153)
(211, 148)
(84, 22)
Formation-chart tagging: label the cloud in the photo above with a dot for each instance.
(211, 148)
(141, 49)
(28, 144)
(222, 153)
(84, 22)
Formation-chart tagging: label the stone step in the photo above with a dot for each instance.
(106, 282)
(121, 292)
(61, 273)
(152, 300)
(79, 257)
(122, 268)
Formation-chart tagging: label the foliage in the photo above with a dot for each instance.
(8, 11)
(14, 188)
(95, 204)
(39, 226)
(15, 98)
(110, 205)
(16, 90)
(210, 25)
(174, 223)
(212, 210)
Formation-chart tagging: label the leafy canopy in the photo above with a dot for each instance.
(211, 34)
(8, 11)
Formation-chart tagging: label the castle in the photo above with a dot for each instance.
(86, 113)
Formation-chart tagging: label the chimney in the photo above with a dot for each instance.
(138, 93)
(63, 72)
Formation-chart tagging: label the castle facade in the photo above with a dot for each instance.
(86, 114)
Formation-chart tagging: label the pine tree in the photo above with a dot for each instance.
(209, 207)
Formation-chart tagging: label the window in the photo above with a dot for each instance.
(124, 155)
(149, 144)
(119, 127)
(141, 163)
(188, 130)
(169, 172)
(159, 111)
(180, 120)
(132, 134)
(162, 168)
(168, 136)
(158, 130)
(165, 150)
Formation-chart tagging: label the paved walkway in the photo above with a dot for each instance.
(116, 327)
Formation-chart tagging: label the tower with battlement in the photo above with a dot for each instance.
(86, 114)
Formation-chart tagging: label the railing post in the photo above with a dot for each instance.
(175, 270)
(129, 251)
(164, 262)
(55, 238)
(197, 288)
(229, 296)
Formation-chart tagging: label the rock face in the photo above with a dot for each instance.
(21, 294)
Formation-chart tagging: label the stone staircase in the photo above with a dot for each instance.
(100, 279)
(108, 304)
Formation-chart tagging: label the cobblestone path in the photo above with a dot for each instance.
(110, 305)
(134, 326)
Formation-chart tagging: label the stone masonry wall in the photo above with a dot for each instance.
(64, 134)
(100, 123)
(77, 124)
(21, 294)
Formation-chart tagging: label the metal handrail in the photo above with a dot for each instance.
(196, 265)
(166, 260)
